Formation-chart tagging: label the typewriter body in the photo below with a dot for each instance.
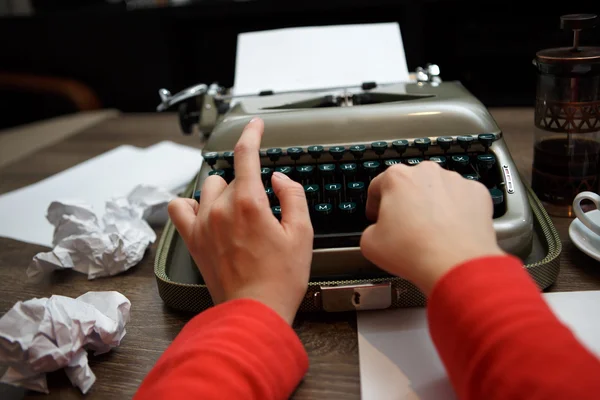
(335, 141)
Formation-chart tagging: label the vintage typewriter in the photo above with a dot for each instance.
(334, 141)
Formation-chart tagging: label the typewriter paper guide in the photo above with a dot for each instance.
(321, 56)
(425, 111)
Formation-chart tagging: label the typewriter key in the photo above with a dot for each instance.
(270, 194)
(358, 150)
(440, 160)
(486, 161)
(315, 151)
(347, 207)
(472, 177)
(400, 146)
(323, 208)
(284, 170)
(274, 154)
(460, 160)
(295, 153)
(464, 141)
(265, 174)
(422, 144)
(337, 152)
(219, 172)
(445, 142)
(390, 162)
(414, 160)
(211, 158)
(486, 140)
(228, 156)
(276, 212)
(379, 147)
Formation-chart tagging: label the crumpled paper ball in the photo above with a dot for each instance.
(106, 246)
(43, 335)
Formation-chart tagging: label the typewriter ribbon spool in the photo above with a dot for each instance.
(566, 157)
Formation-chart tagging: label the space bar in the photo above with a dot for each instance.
(336, 240)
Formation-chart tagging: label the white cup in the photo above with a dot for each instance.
(581, 215)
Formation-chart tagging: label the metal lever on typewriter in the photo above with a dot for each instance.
(197, 104)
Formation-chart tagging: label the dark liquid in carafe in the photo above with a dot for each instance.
(564, 167)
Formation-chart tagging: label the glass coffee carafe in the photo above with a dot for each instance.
(566, 157)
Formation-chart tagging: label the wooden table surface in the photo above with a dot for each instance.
(330, 339)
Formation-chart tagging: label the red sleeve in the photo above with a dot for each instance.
(239, 349)
(498, 339)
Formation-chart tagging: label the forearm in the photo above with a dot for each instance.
(499, 339)
(239, 349)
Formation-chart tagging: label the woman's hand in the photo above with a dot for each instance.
(240, 247)
(428, 220)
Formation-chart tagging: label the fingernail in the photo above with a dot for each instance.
(254, 119)
(280, 175)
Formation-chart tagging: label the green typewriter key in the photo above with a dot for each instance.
(464, 141)
(486, 139)
(422, 144)
(379, 147)
(265, 173)
(211, 158)
(270, 194)
(400, 146)
(228, 156)
(276, 211)
(358, 150)
(371, 167)
(295, 153)
(284, 170)
(337, 152)
(311, 191)
(461, 160)
(327, 169)
(348, 169)
(347, 207)
(440, 160)
(472, 177)
(389, 163)
(333, 190)
(197, 196)
(486, 161)
(445, 142)
(356, 189)
(305, 171)
(218, 172)
(315, 151)
(274, 154)
(323, 209)
(414, 161)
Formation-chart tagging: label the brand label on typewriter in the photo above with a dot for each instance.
(510, 188)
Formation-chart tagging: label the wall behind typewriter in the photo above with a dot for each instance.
(125, 56)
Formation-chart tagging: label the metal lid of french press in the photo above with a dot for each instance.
(576, 58)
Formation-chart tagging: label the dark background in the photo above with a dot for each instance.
(125, 55)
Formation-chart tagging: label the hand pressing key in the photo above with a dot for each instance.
(427, 221)
(241, 249)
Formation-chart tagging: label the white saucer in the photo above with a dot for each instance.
(585, 239)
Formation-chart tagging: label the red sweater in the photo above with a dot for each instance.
(494, 333)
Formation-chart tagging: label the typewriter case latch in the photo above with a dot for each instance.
(369, 296)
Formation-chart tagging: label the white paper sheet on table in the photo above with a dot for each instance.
(318, 57)
(398, 359)
(112, 174)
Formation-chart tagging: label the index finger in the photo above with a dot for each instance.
(246, 151)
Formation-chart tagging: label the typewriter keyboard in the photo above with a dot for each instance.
(336, 179)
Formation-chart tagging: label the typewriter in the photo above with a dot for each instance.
(334, 141)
